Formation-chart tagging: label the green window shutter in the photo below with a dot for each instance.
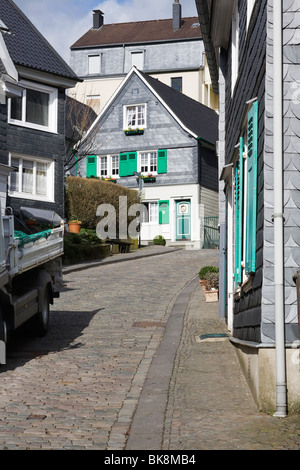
(132, 162)
(162, 161)
(239, 187)
(251, 209)
(127, 163)
(163, 207)
(123, 157)
(91, 166)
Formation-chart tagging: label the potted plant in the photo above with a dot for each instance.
(209, 280)
(74, 226)
(159, 240)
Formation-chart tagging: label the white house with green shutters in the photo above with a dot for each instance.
(168, 139)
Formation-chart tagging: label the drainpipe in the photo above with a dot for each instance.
(281, 387)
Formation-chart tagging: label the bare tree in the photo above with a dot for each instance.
(78, 120)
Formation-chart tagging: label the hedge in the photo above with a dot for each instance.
(84, 195)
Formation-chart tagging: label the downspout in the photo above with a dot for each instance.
(281, 387)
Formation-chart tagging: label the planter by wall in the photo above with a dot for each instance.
(134, 132)
(74, 227)
(210, 295)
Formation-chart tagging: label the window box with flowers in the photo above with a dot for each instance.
(136, 131)
(148, 178)
(110, 179)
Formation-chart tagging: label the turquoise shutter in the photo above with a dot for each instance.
(91, 166)
(132, 163)
(251, 215)
(162, 161)
(239, 187)
(123, 164)
(163, 207)
(127, 163)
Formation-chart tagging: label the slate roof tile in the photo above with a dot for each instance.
(27, 46)
(140, 32)
(197, 117)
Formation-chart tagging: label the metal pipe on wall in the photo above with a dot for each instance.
(281, 386)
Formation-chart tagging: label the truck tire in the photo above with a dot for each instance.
(3, 329)
(41, 319)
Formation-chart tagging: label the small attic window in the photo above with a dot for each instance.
(195, 25)
(3, 26)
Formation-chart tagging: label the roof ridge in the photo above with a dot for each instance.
(148, 21)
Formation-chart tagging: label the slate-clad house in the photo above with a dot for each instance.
(253, 52)
(168, 49)
(34, 80)
(152, 129)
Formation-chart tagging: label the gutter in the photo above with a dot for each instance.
(278, 217)
(203, 14)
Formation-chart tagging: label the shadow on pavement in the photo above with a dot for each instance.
(65, 331)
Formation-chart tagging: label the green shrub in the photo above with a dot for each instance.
(159, 240)
(84, 195)
(212, 280)
(207, 269)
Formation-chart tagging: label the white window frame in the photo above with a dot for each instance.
(235, 47)
(153, 212)
(49, 197)
(109, 166)
(52, 109)
(148, 154)
(139, 124)
(94, 64)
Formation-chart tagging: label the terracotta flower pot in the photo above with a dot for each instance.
(74, 227)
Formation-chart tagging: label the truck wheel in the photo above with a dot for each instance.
(41, 319)
(3, 329)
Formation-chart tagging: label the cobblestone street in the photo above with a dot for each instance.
(86, 384)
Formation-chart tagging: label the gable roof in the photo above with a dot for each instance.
(140, 32)
(26, 45)
(195, 118)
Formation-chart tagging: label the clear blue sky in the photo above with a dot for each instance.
(62, 22)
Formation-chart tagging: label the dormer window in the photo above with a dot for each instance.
(135, 116)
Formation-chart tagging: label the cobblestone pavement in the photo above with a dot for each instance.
(114, 339)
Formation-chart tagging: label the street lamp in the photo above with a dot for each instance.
(141, 185)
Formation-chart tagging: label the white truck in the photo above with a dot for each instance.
(30, 275)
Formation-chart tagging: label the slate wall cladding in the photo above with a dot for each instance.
(161, 132)
(163, 57)
(3, 134)
(250, 84)
(36, 143)
(291, 165)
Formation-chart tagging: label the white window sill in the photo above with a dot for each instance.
(32, 126)
(32, 197)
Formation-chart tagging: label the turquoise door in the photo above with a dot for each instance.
(183, 220)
